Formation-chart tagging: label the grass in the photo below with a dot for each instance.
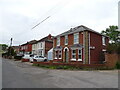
(65, 67)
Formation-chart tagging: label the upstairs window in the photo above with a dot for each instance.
(103, 40)
(41, 45)
(58, 41)
(66, 40)
(76, 38)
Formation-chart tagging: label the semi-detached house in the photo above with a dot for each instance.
(42, 46)
(80, 44)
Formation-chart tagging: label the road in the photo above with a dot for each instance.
(16, 74)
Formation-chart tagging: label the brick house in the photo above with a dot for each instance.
(80, 44)
(42, 46)
(27, 47)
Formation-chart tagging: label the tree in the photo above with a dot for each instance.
(10, 51)
(3, 47)
(113, 34)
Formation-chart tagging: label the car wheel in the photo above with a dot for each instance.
(45, 60)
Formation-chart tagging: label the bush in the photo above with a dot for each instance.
(113, 48)
(18, 57)
(118, 65)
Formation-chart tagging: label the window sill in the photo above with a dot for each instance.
(104, 44)
(73, 59)
(79, 59)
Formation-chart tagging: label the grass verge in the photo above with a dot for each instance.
(65, 67)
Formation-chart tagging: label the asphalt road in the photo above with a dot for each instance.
(16, 74)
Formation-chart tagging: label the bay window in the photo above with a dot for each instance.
(73, 54)
(79, 54)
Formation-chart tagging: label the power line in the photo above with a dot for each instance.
(40, 22)
(56, 6)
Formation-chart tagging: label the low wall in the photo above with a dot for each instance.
(93, 66)
(25, 60)
(112, 59)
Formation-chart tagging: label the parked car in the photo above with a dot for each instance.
(31, 58)
(26, 56)
(38, 58)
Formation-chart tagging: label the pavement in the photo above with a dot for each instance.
(16, 74)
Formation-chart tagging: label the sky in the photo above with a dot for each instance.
(18, 17)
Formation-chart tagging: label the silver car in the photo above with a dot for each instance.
(38, 58)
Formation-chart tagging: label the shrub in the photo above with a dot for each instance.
(118, 65)
(113, 48)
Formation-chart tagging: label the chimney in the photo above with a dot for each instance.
(49, 37)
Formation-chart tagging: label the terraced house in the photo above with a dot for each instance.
(80, 44)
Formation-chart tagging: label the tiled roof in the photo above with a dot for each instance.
(46, 39)
(58, 47)
(30, 42)
(77, 29)
(76, 46)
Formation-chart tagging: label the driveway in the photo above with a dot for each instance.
(18, 74)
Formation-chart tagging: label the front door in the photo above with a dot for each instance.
(66, 55)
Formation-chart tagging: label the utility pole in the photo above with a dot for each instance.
(11, 42)
(10, 46)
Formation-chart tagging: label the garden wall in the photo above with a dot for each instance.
(112, 59)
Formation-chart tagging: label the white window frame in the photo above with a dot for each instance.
(58, 41)
(66, 40)
(80, 54)
(73, 59)
(59, 54)
(103, 40)
(76, 40)
(55, 55)
(41, 45)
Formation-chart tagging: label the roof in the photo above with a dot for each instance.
(78, 29)
(76, 46)
(30, 42)
(48, 38)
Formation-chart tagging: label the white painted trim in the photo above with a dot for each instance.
(83, 48)
(57, 41)
(55, 58)
(79, 59)
(73, 60)
(89, 48)
(78, 38)
(104, 50)
(66, 48)
(104, 39)
(65, 40)
(81, 54)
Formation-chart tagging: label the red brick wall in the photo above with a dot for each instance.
(29, 49)
(80, 38)
(111, 59)
(96, 41)
(70, 39)
(48, 46)
(54, 42)
(62, 41)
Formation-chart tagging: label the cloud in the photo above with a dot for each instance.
(17, 17)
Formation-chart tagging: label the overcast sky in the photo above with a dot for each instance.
(17, 17)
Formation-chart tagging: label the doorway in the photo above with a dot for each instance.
(66, 55)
